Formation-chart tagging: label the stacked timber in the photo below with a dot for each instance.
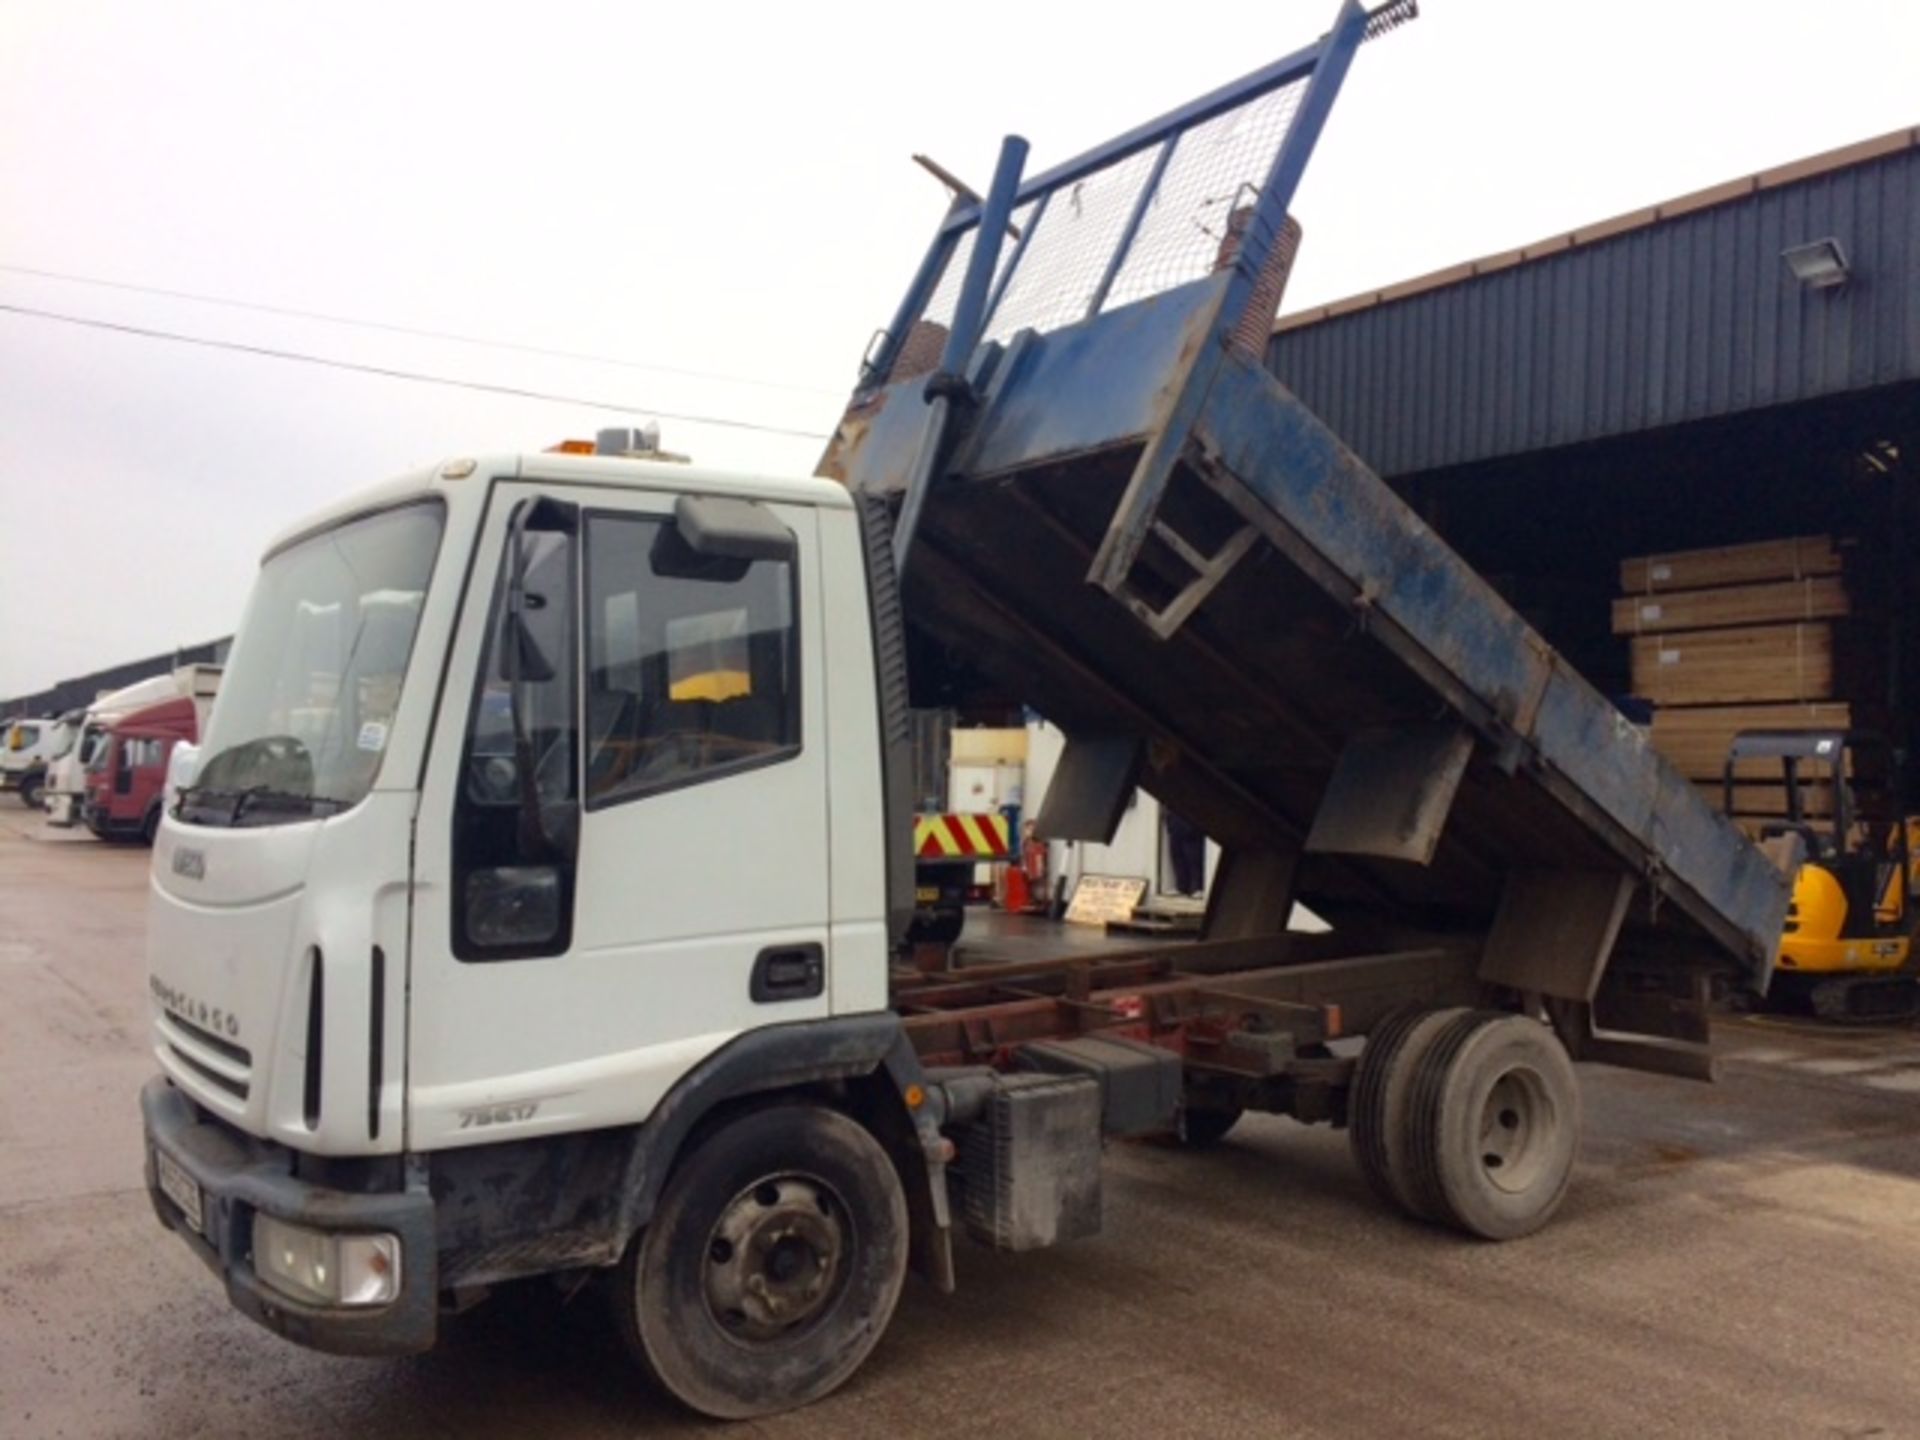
(1740, 637)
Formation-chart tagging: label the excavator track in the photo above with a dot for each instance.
(1865, 999)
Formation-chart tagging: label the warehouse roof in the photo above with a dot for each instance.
(1672, 313)
(1827, 160)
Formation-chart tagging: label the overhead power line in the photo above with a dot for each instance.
(417, 332)
(417, 376)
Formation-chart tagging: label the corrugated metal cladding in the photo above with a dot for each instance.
(1688, 317)
(83, 689)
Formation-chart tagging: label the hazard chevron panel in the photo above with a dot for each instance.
(960, 837)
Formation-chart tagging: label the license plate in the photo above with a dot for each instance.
(179, 1187)
(926, 895)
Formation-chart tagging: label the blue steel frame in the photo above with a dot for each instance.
(1323, 64)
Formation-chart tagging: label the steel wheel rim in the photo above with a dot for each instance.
(776, 1259)
(1518, 1122)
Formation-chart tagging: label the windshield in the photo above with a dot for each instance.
(314, 680)
(93, 747)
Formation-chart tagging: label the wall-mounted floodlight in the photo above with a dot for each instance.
(1818, 264)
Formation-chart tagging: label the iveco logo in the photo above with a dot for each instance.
(190, 863)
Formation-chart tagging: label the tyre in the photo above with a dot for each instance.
(1494, 1125)
(30, 791)
(771, 1265)
(150, 827)
(1376, 1109)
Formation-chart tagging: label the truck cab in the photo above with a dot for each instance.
(481, 868)
(127, 774)
(31, 746)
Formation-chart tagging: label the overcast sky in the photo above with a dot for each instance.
(722, 189)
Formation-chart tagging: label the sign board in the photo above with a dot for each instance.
(1098, 899)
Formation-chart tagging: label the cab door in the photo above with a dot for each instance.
(126, 759)
(621, 848)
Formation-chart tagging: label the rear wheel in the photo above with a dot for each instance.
(150, 826)
(1377, 1109)
(772, 1264)
(1493, 1125)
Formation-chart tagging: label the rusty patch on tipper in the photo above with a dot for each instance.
(837, 460)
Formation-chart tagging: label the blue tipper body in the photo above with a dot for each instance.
(1128, 524)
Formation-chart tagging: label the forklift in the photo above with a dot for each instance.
(1848, 940)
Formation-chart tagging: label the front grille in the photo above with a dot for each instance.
(236, 1053)
(236, 1088)
(221, 1063)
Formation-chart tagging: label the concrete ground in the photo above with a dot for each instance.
(1734, 1260)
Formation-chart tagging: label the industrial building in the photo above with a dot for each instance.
(1736, 365)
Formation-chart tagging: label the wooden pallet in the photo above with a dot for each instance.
(1722, 667)
(1793, 558)
(1820, 597)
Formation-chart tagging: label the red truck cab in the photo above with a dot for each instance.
(127, 778)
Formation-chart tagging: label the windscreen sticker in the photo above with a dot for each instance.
(373, 736)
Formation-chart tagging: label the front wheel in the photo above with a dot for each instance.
(30, 792)
(771, 1266)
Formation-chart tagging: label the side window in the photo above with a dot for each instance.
(692, 661)
(514, 827)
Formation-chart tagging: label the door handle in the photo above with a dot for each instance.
(788, 972)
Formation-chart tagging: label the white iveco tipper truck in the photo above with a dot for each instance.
(539, 904)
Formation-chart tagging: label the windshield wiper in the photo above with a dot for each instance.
(243, 800)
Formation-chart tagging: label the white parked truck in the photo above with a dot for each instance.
(537, 906)
(28, 746)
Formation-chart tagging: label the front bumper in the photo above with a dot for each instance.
(240, 1177)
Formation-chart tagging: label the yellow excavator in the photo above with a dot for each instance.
(1848, 946)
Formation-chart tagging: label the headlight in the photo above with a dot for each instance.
(323, 1268)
